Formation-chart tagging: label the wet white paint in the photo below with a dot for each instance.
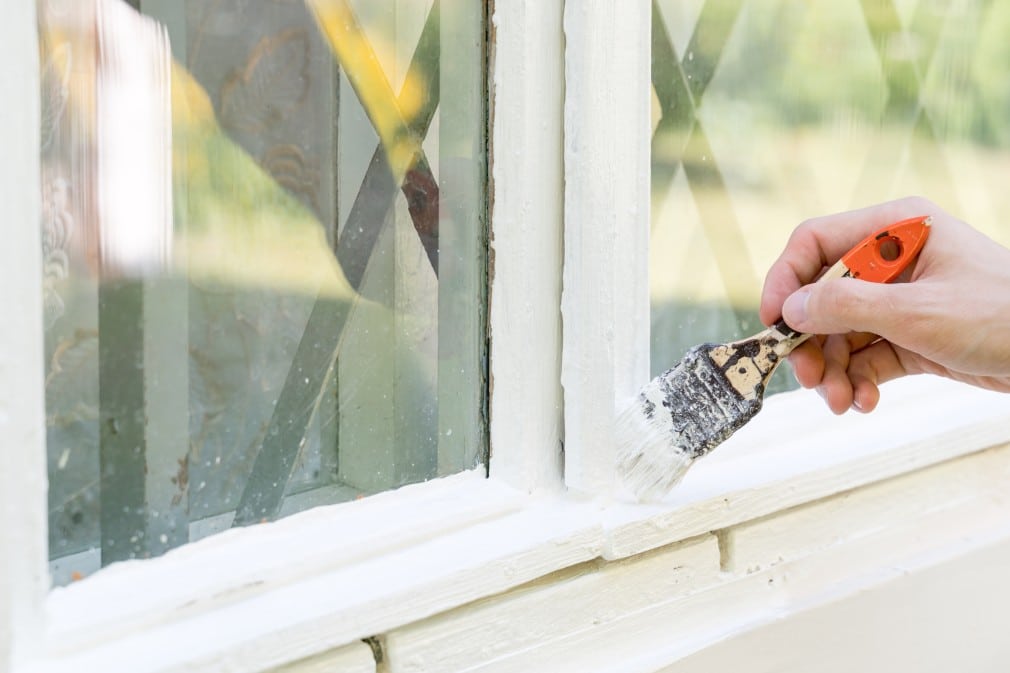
(605, 303)
(526, 246)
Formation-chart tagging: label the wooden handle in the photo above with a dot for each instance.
(787, 337)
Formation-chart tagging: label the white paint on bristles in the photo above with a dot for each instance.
(687, 411)
(650, 456)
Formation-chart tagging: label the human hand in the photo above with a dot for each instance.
(951, 318)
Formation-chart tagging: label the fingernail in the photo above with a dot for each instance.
(794, 310)
(857, 406)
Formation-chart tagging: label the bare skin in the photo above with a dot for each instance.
(951, 318)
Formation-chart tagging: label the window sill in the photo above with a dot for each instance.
(278, 592)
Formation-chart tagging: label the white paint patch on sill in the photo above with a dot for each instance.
(240, 563)
(276, 592)
(796, 451)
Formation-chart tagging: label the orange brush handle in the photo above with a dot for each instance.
(878, 258)
(884, 254)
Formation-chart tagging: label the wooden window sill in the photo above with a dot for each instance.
(277, 592)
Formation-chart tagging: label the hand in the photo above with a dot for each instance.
(951, 317)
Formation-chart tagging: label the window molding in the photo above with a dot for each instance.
(527, 180)
(606, 278)
(23, 543)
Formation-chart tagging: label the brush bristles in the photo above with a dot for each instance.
(679, 416)
(650, 461)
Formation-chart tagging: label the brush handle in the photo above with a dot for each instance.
(786, 337)
(879, 258)
(789, 339)
(748, 364)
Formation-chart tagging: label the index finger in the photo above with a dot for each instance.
(820, 242)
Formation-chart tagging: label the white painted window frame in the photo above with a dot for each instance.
(285, 591)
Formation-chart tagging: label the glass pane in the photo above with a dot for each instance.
(767, 113)
(264, 233)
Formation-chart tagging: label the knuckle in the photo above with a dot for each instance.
(804, 230)
(919, 204)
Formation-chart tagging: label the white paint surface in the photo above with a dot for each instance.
(946, 617)
(294, 588)
(632, 616)
(242, 563)
(526, 257)
(354, 658)
(665, 632)
(23, 578)
(578, 600)
(798, 451)
(605, 303)
(879, 508)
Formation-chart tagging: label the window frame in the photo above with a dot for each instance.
(605, 303)
(288, 590)
(70, 627)
(23, 543)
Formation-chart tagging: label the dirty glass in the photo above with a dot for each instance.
(767, 113)
(264, 236)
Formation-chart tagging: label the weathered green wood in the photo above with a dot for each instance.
(123, 449)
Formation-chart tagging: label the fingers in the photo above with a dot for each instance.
(878, 363)
(865, 395)
(835, 387)
(820, 242)
(869, 369)
(807, 362)
(851, 367)
(825, 363)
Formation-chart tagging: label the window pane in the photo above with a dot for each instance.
(767, 113)
(264, 233)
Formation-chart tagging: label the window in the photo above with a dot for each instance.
(567, 163)
(264, 257)
(765, 114)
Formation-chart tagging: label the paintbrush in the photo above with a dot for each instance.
(686, 412)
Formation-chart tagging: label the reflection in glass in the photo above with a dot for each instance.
(263, 235)
(767, 113)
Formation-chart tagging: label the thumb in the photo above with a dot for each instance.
(840, 306)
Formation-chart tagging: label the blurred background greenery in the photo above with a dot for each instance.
(769, 112)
